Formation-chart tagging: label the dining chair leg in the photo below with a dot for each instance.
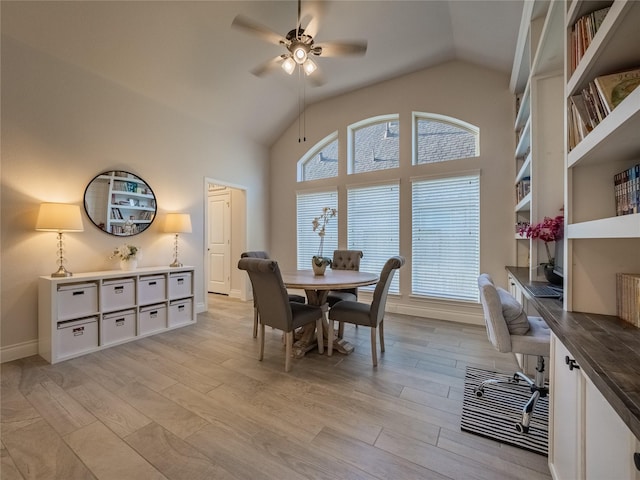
(381, 329)
(319, 336)
(374, 350)
(288, 351)
(261, 347)
(340, 329)
(330, 339)
(255, 322)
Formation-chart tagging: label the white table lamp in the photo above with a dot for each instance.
(177, 223)
(59, 217)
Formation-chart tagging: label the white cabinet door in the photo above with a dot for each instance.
(565, 450)
(609, 444)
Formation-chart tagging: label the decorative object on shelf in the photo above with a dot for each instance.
(177, 223)
(120, 203)
(320, 262)
(549, 230)
(60, 218)
(128, 255)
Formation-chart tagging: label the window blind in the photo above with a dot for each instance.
(373, 218)
(309, 206)
(446, 237)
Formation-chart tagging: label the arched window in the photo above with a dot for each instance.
(374, 144)
(321, 161)
(437, 138)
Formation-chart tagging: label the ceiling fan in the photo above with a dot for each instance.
(300, 46)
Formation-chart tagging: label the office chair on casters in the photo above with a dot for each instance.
(292, 296)
(510, 330)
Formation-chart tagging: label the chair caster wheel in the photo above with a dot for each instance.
(479, 392)
(521, 428)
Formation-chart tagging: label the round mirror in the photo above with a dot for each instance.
(120, 203)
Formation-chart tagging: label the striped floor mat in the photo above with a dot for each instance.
(495, 414)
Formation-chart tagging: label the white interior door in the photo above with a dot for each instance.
(219, 242)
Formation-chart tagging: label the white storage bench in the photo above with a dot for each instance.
(94, 310)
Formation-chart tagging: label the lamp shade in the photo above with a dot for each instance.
(178, 223)
(59, 217)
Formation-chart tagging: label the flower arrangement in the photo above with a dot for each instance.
(549, 230)
(125, 252)
(319, 225)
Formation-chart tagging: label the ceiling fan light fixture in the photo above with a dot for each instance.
(309, 66)
(289, 65)
(300, 53)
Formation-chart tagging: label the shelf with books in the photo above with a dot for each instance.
(616, 136)
(523, 140)
(523, 109)
(524, 205)
(525, 169)
(611, 49)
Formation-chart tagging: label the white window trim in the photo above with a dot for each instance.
(456, 122)
(312, 152)
(351, 129)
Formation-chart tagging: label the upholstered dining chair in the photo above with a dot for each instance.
(292, 296)
(510, 329)
(275, 308)
(344, 260)
(372, 315)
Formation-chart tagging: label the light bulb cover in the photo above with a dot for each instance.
(289, 65)
(300, 53)
(309, 66)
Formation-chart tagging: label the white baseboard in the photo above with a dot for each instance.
(449, 313)
(200, 307)
(19, 350)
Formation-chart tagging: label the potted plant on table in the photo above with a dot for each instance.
(320, 262)
(548, 230)
(128, 256)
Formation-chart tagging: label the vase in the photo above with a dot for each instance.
(319, 265)
(130, 264)
(552, 277)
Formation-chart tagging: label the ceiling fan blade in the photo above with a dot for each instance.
(244, 23)
(340, 49)
(313, 13)
(268, 66)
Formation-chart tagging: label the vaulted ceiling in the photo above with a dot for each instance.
(186, 55)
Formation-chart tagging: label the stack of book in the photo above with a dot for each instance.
(523, 188)
(626, 186)
(597, 100)
(583, 32)
(628, 297)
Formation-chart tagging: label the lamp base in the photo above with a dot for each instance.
(62, 272)
(176, 263)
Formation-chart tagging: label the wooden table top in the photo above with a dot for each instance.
(331, 280)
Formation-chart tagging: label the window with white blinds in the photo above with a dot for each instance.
(373, 218)
(309, 206)
(446, 237)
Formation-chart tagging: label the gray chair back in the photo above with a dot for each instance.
(346, 259)
(382, 288)
(496, 325)
(269, 292)
(255, 254)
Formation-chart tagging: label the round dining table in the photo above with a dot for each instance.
(317, 288)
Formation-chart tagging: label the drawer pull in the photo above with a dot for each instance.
(120, 322)
(119, 289)
(153, 314)
(180, 281)
(81, 292)
(571, 362)
(636, 460)
(152, 283)
(180, 308)
(78, 331)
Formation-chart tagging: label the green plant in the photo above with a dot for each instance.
(125, 252)
(319, 225)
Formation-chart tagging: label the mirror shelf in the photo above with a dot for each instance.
(120, 203)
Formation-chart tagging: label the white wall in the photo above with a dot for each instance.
(60, 127)
(460, 90)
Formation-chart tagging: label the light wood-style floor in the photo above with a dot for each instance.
(195, 403)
